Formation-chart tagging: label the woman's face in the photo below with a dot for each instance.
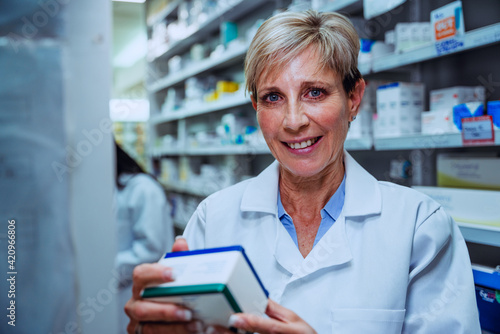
(304, 114)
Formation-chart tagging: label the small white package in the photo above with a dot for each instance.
(214, 283)
(452, 96)
(399, 106)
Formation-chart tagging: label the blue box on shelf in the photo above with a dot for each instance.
(487, 282)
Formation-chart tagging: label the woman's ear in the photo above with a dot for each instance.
(355, 99)
(254, 103)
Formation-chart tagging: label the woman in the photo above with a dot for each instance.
(145, 229)
(338, 251)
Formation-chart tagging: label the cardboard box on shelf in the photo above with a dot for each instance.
(399, 106)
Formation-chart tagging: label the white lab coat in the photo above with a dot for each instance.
(145, 230)
(393, 262)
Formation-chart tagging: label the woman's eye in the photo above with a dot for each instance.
(315, 93)
(273, 97)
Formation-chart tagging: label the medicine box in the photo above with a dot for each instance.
(399, 106)
(466, 110)
(493, 109)
(487, 281)
(412, 35)
(437, 122)
(214, 283)
(467, 205)
(449, 97)
(468, 172)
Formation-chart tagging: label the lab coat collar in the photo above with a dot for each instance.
(362, 191)
(261, 195)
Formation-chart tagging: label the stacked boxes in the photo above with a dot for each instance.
(440, 118)
(399, 106)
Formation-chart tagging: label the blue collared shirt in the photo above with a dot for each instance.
(329, 214)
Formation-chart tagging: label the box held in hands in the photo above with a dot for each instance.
(214, 283)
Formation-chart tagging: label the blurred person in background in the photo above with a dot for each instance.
(145, 228)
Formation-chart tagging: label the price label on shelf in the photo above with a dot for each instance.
(478, 131)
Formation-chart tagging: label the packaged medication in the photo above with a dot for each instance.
(451, 96)
(440, 121)
(467, 205)
(214, 283)
(399, 106)
(465, 110)
(468, 172)
(412, 35)
(493, 109)
(448, 27)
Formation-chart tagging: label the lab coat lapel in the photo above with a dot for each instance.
(332, 250)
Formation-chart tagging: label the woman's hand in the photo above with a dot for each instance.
(157, 317)
(281, 321)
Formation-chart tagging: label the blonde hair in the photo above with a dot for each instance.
(284, 36)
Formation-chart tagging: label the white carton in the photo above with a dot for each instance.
(412, 35)
(468, 172)
(467, 205)
(399, 106)
(440, 121)
(214, 283)
(452, 96)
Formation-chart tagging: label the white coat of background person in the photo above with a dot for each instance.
(145, 228)
(339, 251)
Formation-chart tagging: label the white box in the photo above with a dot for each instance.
(214, 283)
(467, 205)
(412, 35)
(438, 122)
(468, 172)
(450, 97)
(399, 106)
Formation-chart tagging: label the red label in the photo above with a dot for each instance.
(478, 131)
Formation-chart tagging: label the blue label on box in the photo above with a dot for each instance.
(462, 111)
(494, 110)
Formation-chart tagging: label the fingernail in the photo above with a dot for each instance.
(168, 275)
(235, 321)
(178, 237)
(211, 330)
(195, 326)
(184, 315)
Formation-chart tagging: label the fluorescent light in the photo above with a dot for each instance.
(129, 110)
(134, 1)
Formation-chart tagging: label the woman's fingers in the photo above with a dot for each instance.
(173, 328)
(180, 245)
(276, 311)
(153, 311)
(150, 274)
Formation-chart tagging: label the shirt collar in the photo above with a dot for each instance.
(362, 192)
(333, 207)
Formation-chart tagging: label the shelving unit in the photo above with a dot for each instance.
(416, 64)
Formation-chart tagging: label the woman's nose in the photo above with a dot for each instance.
(295, 117)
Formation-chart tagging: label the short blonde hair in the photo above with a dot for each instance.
(284, 36)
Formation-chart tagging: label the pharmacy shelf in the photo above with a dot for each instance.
(473, 39)
(358, 144)
(164, 13)
(214, 150)
(345, 6)
(421, 141)
(481, 234)
(203, 108)
(186, 189)
(233, 55)
(210, 25)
